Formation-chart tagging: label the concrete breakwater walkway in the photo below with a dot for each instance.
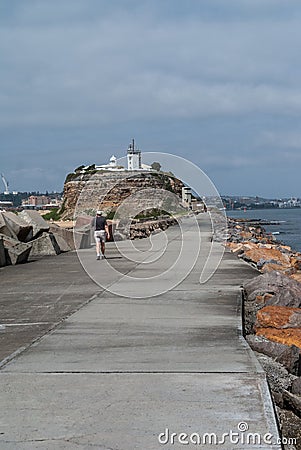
(125, 373)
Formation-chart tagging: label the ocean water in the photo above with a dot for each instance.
(288, 230)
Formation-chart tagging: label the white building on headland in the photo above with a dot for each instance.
(111, 166)
(134, 161)
(134, 157)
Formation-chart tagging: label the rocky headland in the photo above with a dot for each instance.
(272, 315)
(27, 235)
(107, 190)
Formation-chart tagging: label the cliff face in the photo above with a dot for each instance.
(107, 190)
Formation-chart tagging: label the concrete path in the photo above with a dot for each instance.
(125, 373)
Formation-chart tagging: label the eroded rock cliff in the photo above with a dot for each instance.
(107, 190)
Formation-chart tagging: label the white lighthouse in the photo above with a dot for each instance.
(134, 157)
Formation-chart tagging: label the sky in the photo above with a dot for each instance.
(214, 81)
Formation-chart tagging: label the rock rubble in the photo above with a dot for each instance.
(27, 235)
(272, 314)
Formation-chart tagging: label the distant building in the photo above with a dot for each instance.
(291, 203)
(186, 195)
(5, 204)
(134, 162)
(111, 166)
(36, 200)
(41, 202)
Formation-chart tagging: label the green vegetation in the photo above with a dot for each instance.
(52, 215)
(62, 209)
(153, 213)
(71, 177)
(79, 172)
(110, 215)
(156, 166)
(169, 174)
(78, 169)
(90, 168)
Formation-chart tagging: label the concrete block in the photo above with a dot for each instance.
(65, 233)
(78, 239)
(37, 222)
(4, 229)
(21, 229)
(45, 245)
(63, 245)
(16, 252)
(2, 253)
(82, 239)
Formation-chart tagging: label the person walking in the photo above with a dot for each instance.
(101, 234)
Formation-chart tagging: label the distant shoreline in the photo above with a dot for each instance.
(283, 222)
(264, 209)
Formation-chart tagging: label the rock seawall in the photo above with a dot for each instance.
(272, 316)
(141, 230)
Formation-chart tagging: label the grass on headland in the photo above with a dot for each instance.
(52, 215)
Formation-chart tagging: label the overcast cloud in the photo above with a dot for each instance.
(214, 81)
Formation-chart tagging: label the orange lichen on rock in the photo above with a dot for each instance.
(246, 235)
(296, 276)
(257, 254)
(263, 298)
(268, 267)
(234, 247)
(278, 317)
(295, 261)
(287, 336)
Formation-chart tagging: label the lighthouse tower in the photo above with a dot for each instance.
(134, 157)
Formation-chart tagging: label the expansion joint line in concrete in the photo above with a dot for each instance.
(52, 328)
(147, 372)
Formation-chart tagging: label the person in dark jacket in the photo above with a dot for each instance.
(101, 234)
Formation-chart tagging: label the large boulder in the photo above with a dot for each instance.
(296, 276)
(281, 290)
(278, 377)
(288, 356)
(262, 255)
(279, 317)
(235, 247)
(296, 261)
(16, 252)
(21, 229)
(33, 218)
(296, 386)
(287, 336)
(269, 266)
(45, 245)
(292, 402)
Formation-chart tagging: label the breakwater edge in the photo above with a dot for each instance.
(272, 303)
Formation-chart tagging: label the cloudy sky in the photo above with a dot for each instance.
(215, 81)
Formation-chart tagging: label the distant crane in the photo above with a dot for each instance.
(5, 182)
